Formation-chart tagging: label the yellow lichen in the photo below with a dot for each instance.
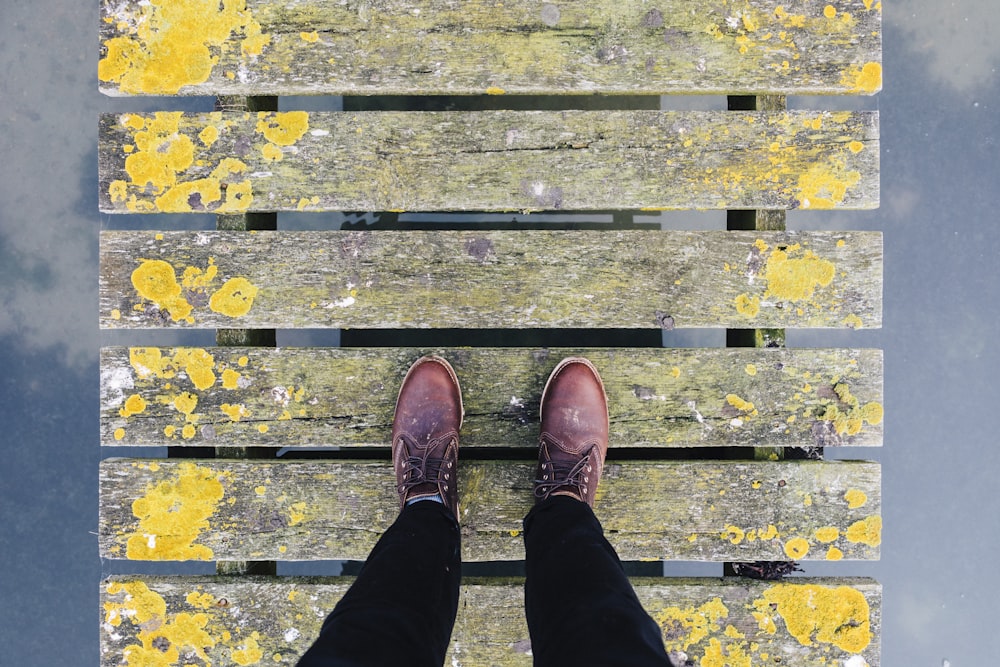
(172, 515)
(273, 153)
(297, 514)
(243, 361)
(119, 433)
(188, 431)
(283, 129)
(793, 278)
(750, 369)
(867, 531)
(209, 135)
(872, 413)
(867, 79)
(733, 655)
(833, 553)
(826, 534)
(185, 403)
(820, 614)
(155, 280)
(494, 90)
(234, 298)
(853, 321)
(747, 305)
(311, 37)
(855, 498)
(230, 379)
(234, 412)
(175, 43)
(251, 653)
(170, 431)
(734, 534)
(743, 406)
(262, 428)
(134, 404)
(829, 11)
(200, 600)
(198, 364)
(796, 548)
(687, 626)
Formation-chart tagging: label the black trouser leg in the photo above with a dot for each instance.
(580, 606)
(401, 608)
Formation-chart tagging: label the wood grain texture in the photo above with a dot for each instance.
(282, 617)
(490, 279)
(488, 161)
(346, 397)
(336, 509)
(417, 47)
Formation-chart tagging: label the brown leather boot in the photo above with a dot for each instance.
(574, 439)
(425, 433)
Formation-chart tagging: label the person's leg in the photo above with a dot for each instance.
(402, 607)
(580, 607)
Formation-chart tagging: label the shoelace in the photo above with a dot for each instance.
(419, 470)
(562, 473)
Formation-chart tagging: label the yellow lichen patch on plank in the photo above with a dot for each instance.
(177, 638)
(209, 135)
(823, 186)
(230, 379)
(732, 655)
(796, 548)
(791, 277)
(689, 626)
(134, 405)
(733, 534)
(297, 513)
(174, 43)
(272, 152)
(283, 129)
(234, 298)
(833, 553)
(827, 534)
(235, 412)
(820, 614)
(156, 281)
(744, 406)
(248, 653)
(311, 37)
(748, 305)
(855, 498)
(867, 79)
(165, 153)
(867, 531)
(172, 515)
(199, 366)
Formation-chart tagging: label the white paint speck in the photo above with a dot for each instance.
(319, 133)
(733, 22)
(342, 303)
(150, 540)
(858, 661)
(517, 402)
(291, 634)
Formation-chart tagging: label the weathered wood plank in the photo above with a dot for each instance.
(446, 47)
(346, 397)
(703, 510)
(488, 161)
(486, 279)
(275, 620)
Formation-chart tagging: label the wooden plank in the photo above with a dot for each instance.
(274, 620)
(419, 47)
(336, 509)
(485, 279)
(346, 397)
(487, 161)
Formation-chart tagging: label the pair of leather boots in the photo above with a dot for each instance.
(572, 446)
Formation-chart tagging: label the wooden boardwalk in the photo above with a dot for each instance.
(713, 451)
